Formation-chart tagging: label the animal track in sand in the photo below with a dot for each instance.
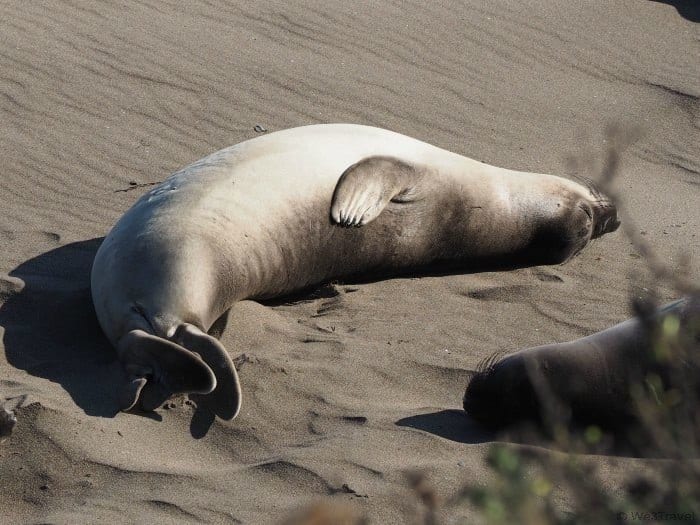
(546, 277)
(510, 293)
(41, 235)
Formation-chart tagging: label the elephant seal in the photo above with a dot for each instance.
(298, 207)
(592, 380)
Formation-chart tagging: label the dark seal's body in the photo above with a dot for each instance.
(591, 380)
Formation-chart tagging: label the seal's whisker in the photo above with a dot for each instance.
(486, 364)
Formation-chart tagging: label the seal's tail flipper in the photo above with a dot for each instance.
(159, 368)
(130, 392)
(366, 187)
(225, 400)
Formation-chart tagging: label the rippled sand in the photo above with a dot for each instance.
(347, 390)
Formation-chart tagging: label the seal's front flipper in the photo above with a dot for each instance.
(225, 400)
(366, 187)
(159, 368)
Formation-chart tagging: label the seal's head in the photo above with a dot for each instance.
(569, 218)
(500, 392)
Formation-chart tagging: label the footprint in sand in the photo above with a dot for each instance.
(511, 293)
(545, 276)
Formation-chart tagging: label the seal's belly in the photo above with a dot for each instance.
(301, 247)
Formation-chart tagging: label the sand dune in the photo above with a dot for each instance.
(349, 389)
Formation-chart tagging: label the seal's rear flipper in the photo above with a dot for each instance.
(225, 400)
(366, 187)
(130, 392)
(159, 368)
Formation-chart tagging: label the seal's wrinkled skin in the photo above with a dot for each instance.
(298, 207)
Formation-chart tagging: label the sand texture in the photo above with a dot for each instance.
(351, 388)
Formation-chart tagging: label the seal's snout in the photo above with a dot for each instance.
(604, 211)
(605, 219)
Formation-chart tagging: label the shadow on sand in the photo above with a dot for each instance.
(51, 331)
(688, 9)
(454, 425)
(457, 426)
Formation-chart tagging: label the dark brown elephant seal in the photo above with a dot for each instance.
(590, 380)
(261, 219)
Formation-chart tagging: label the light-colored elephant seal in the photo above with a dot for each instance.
(261, 219)
(595, 379)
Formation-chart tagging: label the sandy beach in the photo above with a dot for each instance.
(352, 388)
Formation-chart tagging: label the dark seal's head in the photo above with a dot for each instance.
(500, 392)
